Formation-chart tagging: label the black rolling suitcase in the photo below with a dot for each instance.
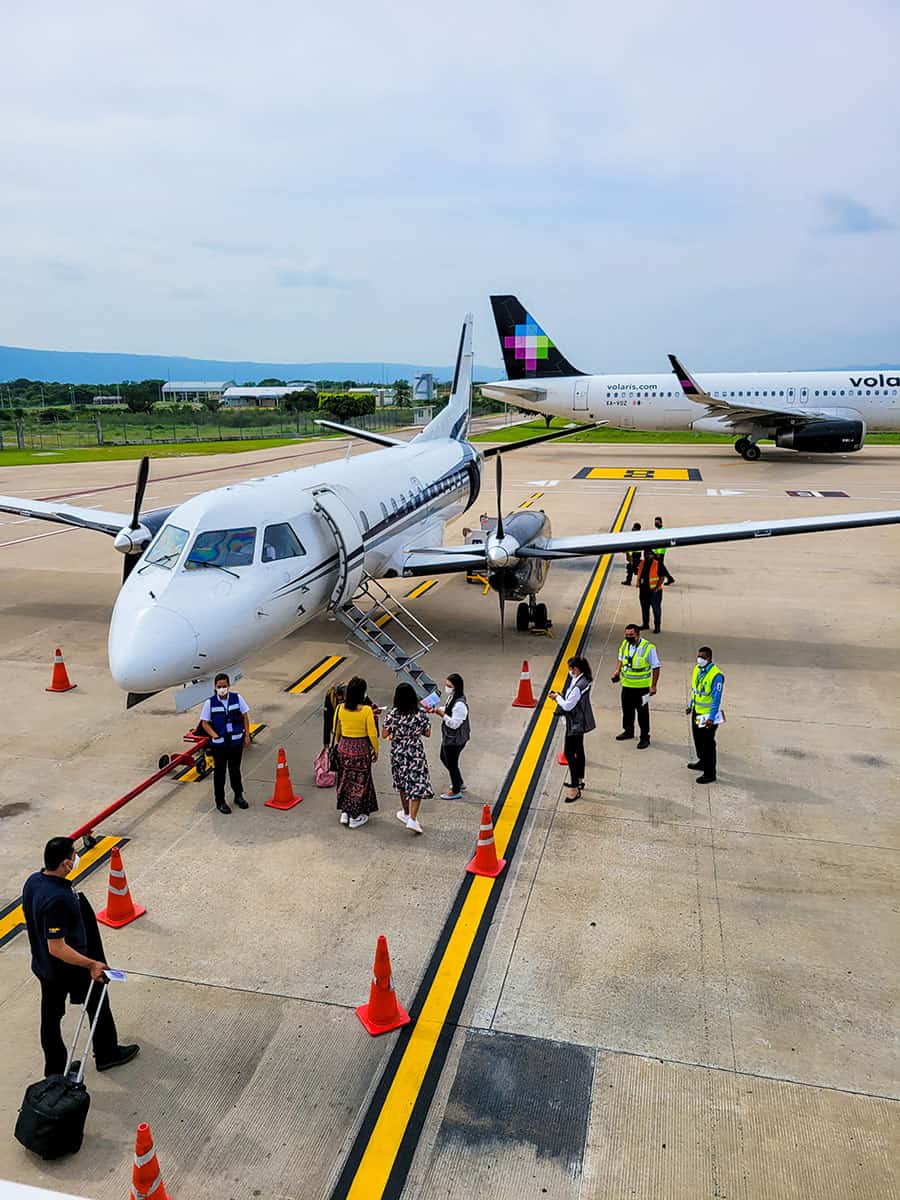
(54, 1110)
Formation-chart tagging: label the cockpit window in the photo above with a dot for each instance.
(222, 548)
(280, 541)
(168, 545)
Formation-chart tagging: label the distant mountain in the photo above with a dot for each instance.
(69, 366)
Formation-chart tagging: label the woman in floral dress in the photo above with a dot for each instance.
(405, 725)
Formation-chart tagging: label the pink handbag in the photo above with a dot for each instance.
(325, 777)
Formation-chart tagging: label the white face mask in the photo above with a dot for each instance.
(702, 662)
(76, 859)
(221, 692)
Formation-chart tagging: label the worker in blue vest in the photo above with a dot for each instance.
(707, 684)
(225, 720)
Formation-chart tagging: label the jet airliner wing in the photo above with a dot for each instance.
(699, 535)
(66, 514)
(743, 410)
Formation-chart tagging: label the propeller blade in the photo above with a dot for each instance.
(500, 499)
(129, 562)
(140, 488)
(502, 616)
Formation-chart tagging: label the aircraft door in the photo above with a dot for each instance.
(348, 540)
(581, 394)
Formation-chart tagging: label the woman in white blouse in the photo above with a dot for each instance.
(455, 733)
(575, 703)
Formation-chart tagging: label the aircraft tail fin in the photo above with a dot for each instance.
(453, 421)
(528, 353)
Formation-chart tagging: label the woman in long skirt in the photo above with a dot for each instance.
(357, 747)
(405, 725)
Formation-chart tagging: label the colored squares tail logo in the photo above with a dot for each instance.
(529, 343)
(638, 473)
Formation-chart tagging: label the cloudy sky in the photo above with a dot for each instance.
(276, 181)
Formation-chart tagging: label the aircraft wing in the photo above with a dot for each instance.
(699, 535)
(738, 412)
(66, 514)
(442, 560)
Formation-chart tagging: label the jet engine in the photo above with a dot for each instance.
(824, 437)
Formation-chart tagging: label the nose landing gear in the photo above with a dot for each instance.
(532, 618)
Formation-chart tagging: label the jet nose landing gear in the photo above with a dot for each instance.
(533, 618)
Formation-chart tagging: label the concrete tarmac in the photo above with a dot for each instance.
(686, 991)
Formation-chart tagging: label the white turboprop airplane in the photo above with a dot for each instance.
(823, 412)
(232, 570)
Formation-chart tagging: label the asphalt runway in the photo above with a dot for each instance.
(676, 991)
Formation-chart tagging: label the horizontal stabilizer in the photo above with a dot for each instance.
(509, 447)
(379, 439)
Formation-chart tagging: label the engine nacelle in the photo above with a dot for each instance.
(824, 437)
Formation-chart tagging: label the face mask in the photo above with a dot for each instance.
(702, 662)
(631, 637)
(76, 859)
(221, 693)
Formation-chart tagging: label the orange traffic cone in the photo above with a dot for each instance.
(120, 908)
(283, 797)
(525, 696)
(383, 1013)
(60, 680)
(145, 1177)
(486, 861)
(561, 759)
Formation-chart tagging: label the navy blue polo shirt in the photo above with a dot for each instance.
(52, 910)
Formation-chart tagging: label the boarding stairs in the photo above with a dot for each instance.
(369, 615)
(365, 607)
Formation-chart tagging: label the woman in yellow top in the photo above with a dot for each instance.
(356, 738)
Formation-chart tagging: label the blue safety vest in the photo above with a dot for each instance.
(225, 712)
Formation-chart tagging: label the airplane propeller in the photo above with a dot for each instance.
(134, 538)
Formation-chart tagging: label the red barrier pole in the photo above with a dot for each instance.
(186, 756)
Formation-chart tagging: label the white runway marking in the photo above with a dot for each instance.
(34, 537)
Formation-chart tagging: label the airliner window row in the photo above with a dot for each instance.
(410, 502)
(726, 395)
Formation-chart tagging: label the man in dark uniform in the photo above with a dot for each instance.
(632, 559)
(66, 954)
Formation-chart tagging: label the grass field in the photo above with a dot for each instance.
(32, 458)
(518, 433)
(512, 433)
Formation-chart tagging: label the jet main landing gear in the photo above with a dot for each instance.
(532, 617)
(748, 449)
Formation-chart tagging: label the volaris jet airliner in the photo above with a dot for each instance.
(230, 571)
(825, 412)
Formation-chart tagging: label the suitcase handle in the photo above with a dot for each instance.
(90, 1037)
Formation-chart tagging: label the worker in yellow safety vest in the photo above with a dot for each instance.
(638, 672)
(707, 684)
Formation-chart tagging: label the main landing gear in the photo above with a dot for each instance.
(532, 618)
(748, 449)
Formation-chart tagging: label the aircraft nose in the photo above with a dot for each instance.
(152, 649)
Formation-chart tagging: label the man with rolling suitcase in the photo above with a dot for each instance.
(66, 956)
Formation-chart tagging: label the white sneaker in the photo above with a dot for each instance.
(413, 826)
(402, 816)
(345, 818)
(355, 822)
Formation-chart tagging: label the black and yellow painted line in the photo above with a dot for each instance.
(420, 589)
(315, 674)
(381, 1155)
(192, 774)
(640, 473)
(531, 499)
(12, 918)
